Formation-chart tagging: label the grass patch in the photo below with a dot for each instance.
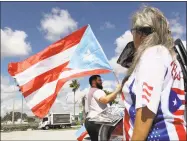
(18, 127)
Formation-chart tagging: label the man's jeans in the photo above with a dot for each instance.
(92, 129)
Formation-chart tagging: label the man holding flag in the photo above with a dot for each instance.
(96, 102)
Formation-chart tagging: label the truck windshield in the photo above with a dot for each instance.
(45, 119)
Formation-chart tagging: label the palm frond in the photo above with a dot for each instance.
(74, 85)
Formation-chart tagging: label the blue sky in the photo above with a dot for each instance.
(108, 20)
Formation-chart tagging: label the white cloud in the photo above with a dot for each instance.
(107, 25)
(177, 29)
(8, 90)
(13, 43)
(78, 95)
(9, 93)
(109, 85)
(57, 24)
(120, 42)
(118, 69)
(8, 107)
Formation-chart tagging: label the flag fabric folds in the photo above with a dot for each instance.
(41, 76)
(81, 133)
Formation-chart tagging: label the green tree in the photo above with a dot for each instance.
(7, 117)
(17, 115)
(75, 86)
(30, 119)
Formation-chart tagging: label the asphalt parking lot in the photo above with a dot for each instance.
(40, 135)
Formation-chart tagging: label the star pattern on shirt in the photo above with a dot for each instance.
(154, 135)
(175, 102)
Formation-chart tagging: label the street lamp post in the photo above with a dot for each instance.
(21, 97)
(13, 106)
(13, 111)
(21, 102)
(22, 110)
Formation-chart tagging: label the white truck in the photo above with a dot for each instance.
(56, 120)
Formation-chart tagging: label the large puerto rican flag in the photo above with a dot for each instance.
(41, 76)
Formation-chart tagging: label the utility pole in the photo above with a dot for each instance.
(22, 110)
(13, 102)
(21, 99)
(13, 111)
(21, 102)
(13, 106)
(74, 105)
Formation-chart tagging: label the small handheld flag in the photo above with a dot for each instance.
(81, 133)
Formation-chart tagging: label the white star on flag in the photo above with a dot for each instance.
(174, 102)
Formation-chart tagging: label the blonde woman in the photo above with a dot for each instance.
(154, 91)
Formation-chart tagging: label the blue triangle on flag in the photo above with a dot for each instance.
(89, 54)
(174, 102)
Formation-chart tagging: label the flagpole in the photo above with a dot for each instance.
(13, 110)
(116, 77)
(122, 97)
(13, 104)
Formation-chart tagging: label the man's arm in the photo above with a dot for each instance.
(109, 98)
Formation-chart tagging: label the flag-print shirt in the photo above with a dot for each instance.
(157, 82)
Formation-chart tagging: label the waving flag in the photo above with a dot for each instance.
(81, 133)
(42, 75)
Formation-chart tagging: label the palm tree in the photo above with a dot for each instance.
(75, 86)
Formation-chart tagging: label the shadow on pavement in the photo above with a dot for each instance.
(87, 139)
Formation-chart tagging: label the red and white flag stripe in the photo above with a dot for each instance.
(42, 75)
(147, 91)
(44, 66)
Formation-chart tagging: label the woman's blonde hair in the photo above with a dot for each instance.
(154, 18)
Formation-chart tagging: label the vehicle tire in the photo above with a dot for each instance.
(46, 127)
(105, 132)
(62, 126)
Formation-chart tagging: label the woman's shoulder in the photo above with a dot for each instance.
(157, 51)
